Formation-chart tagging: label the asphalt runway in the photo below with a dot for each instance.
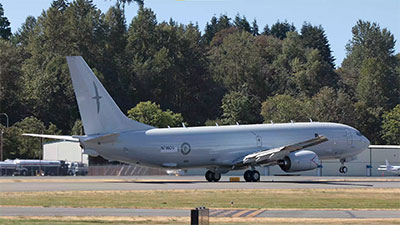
(53, 211)
(27, 184)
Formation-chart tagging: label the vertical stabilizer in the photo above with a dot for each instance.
(98, 110)
(387, 164)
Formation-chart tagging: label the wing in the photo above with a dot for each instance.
(272, 155)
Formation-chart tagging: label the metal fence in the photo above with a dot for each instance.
(124, 170)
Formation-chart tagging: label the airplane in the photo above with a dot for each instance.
(220, 149)
(390, 168)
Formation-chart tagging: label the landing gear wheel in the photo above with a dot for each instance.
(255, 176)
(343, 169)
(211, 176)
(251, 176)
(217, 177)
(247, 175)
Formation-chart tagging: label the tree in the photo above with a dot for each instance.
(5, 29)
(391, 126)
(77, 129)
(314, 74)
(242, 24)
(279, 29)
(10, 79)
(240, 107)
(254, 28)
(368, 41)
(151, 114)
(284, 108)
(215, 26)
(19, 146)
(315, 37)
(26, 30)
(237, 62)
(331, 105)
(378, 84)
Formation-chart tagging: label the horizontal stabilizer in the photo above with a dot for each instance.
(58, 137)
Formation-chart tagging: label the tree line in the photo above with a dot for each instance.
(165, 73)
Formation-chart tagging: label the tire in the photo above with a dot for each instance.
(70, 173)
(23, 173)
(247, 175)
(344, 169)
(209, 176)
(255, 176)
(216, 176)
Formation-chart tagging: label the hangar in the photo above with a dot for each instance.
(366, 163)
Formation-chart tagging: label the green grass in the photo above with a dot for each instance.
(252, 199)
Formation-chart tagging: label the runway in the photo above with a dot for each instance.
(33, 184)
(343, 214)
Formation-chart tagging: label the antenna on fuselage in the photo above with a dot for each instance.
(169, 127)
(311, 120)
(183, 125)
(237, 123)
(291, 121)
(216, 124)
(272, 122)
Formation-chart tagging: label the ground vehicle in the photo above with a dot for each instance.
(32, 167)
(77, 168)
(7, 168)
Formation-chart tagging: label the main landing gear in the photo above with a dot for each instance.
(211, 176)
(251, 176)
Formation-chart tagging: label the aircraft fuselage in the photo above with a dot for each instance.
(220, 146)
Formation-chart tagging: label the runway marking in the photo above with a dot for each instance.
(238, 214)
(225, 214)
(255, 213)
(214, 212)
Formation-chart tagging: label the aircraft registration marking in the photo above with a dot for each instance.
(168, 149)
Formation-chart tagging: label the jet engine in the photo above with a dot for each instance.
(299, 161)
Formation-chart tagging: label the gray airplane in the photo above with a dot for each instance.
(292, 146)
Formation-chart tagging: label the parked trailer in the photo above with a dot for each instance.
(7, 168)
(32, 167)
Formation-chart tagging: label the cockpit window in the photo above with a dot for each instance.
(358, 133)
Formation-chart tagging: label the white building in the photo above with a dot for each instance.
(64, 150)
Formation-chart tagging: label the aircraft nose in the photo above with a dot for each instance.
(365, 141)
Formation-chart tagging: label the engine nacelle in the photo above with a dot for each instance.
(299, 161)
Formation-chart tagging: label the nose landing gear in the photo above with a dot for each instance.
(251, 176)
(343, 169)
(211, 176)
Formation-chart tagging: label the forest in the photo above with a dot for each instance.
(164, 73)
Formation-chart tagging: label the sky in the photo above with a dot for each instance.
(337, 17)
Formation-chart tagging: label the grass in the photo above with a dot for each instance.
(363, 198)
(181, 221)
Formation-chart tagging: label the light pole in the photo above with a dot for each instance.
(1, 136)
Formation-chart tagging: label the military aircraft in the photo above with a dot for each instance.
(292, 146)
(390, 168)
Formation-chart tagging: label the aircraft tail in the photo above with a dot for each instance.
(387, 164)
(99, 113)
